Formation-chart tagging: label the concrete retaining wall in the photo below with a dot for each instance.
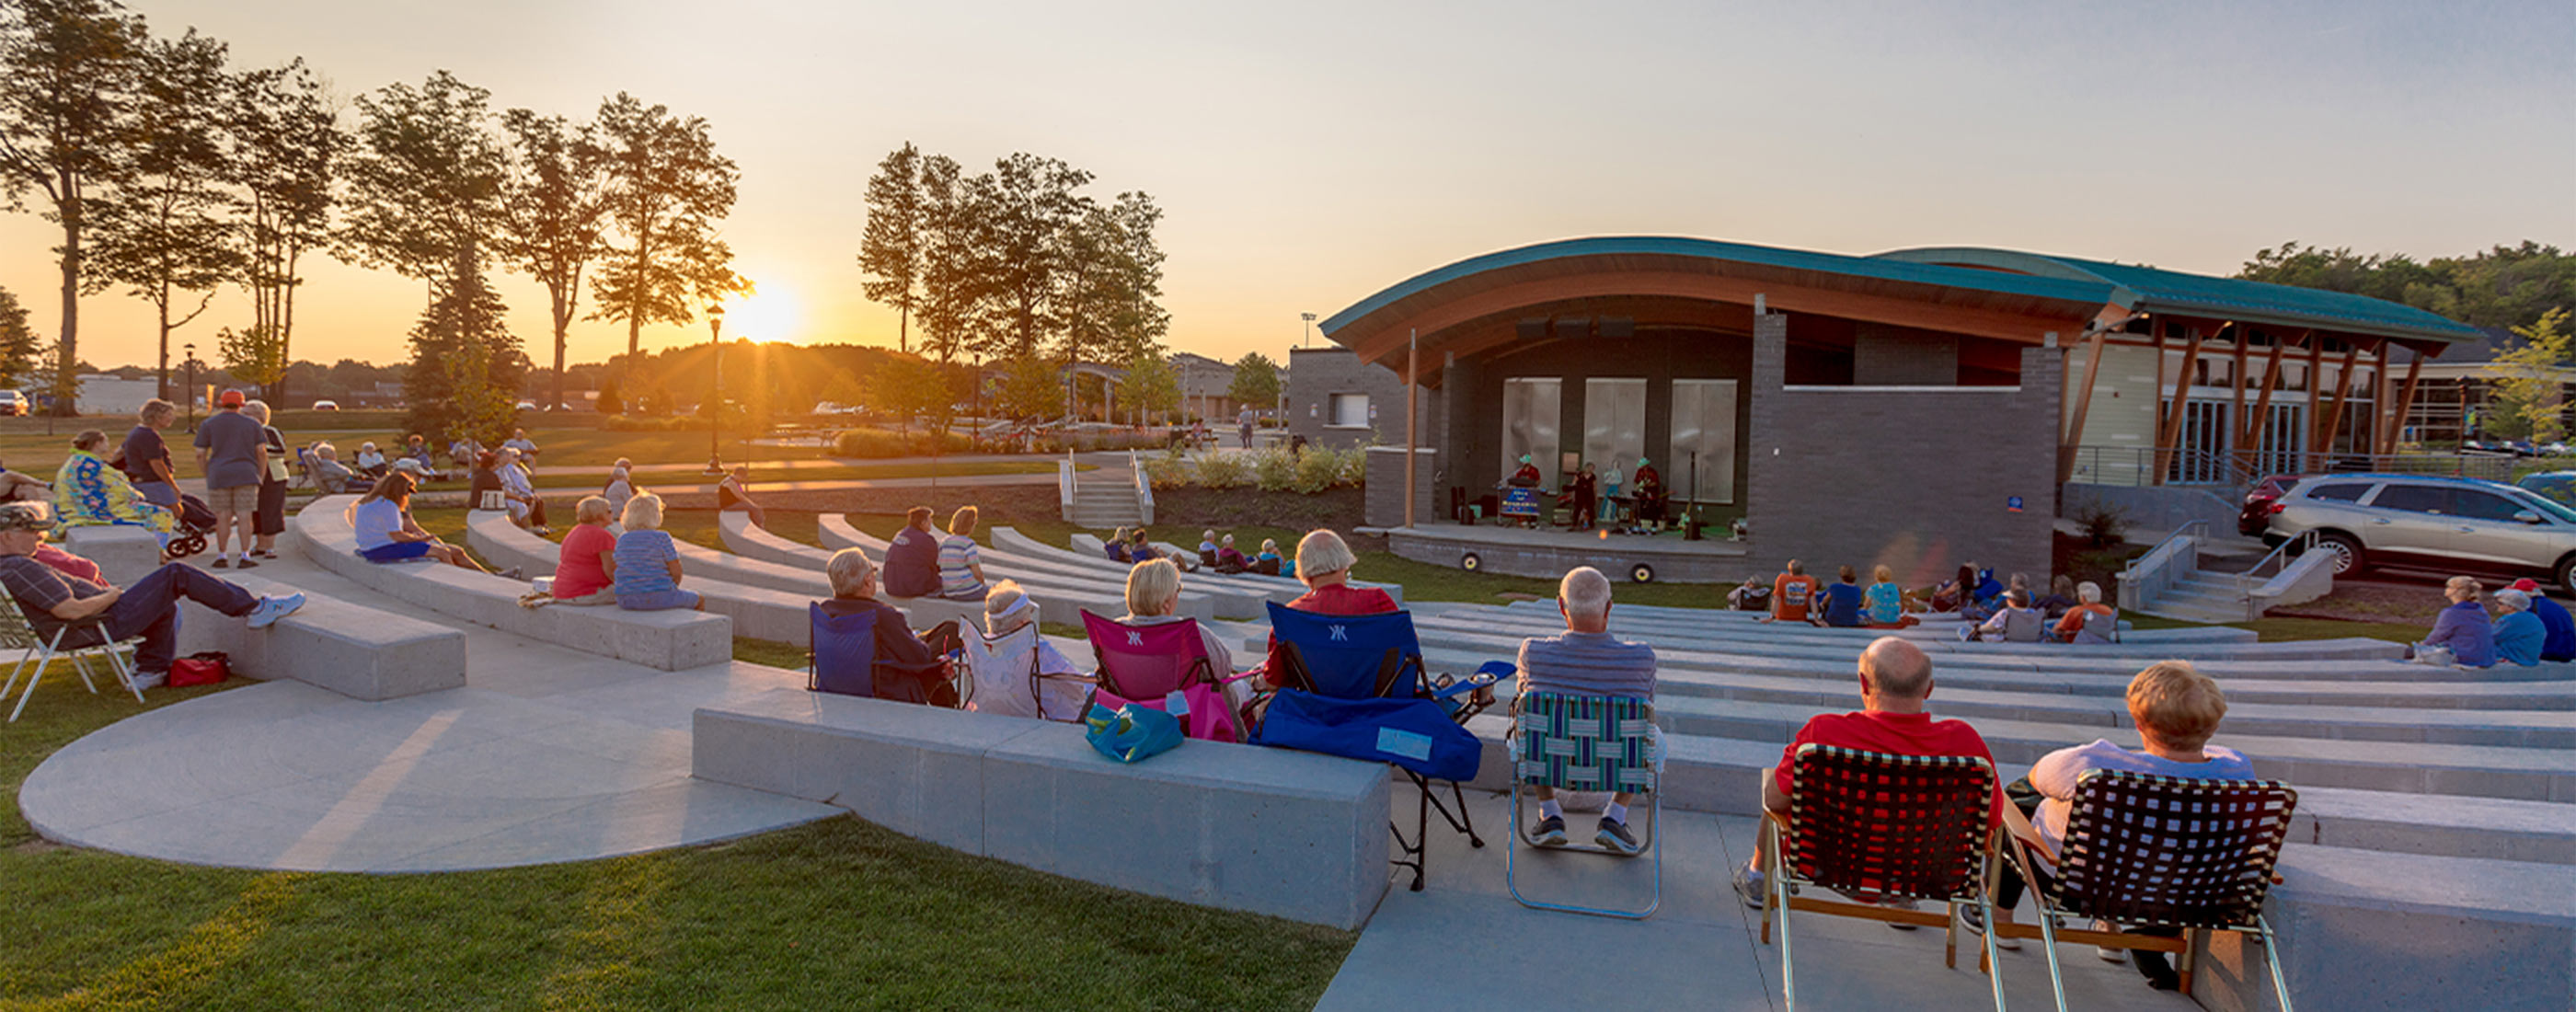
(351, 649)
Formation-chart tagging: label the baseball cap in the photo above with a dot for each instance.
(2526, 585)
(232, 399)
(26, 516)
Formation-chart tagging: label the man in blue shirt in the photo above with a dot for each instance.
(2561, 642)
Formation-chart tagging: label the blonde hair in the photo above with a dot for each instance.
(256, 409)
(1120, 537)
(644, 512)
(2176, 703)
(963, 520)
(155, 408)
(88, 438)
(2458, 584)
(849, 569)
(1153, 587)
(1323, 553)
(1882, 574)
(593, 510)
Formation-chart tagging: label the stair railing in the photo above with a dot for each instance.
(2148, 576)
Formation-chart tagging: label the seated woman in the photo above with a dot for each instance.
(371, 462)
(1154, 597)
(734, 494)
(1011, 656)
(961, 561)
(330, 476)
(2015, 622)
(2060, 599)
(87, 491)
(1884, 601)
(1958, 593)
(905, 668)
(1269, 563)
(1116, 546)
(620, 487)
(2518, 633)
(1840, 603)
(387, 533)
(527, 509)
(483, 479)
(647, 577)
(1324, 563)
(2090, 621)
(1228, 560)
(586, 566)
(2461, 634)
(1139, 549)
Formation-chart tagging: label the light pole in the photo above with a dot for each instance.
(1309, 336)
(715, 388)
(190, 394)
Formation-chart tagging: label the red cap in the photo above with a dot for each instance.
(2526, 585)
(231, 399)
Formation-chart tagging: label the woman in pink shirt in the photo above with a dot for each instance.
(588, 563)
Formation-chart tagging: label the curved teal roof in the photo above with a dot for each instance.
(2225, 298)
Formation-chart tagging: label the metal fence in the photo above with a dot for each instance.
(2188, 466)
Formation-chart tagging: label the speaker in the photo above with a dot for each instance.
(1573, 326)
(1533, 328)
(1619, 326)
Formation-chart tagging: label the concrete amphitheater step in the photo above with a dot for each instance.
(1072, 596)
(777, 563)
(1725, 626)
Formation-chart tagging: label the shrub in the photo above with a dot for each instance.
(876, 444)
(2102, 524)
(1168, 469)
(1320, 469)
(634, 423)
(1223, 470)
(1274, 469)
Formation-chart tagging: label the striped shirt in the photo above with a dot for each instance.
(642, 562)
(1587, 664)
(957, 559)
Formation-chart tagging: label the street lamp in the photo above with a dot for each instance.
(715, 388)
(1310, 329)
(190, 394)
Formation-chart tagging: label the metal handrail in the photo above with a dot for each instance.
(2166, 540)
(2245, 580)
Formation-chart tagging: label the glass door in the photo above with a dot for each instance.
(1703, 463)
(1531, 406)
(1614, 423)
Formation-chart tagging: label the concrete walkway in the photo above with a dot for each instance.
(546, 755)
(1464, 942)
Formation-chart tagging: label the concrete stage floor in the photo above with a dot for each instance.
(1548, 553)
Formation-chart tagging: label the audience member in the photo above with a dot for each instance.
(1007, 610)
(146, 457)
(268, 514)
(1958, 594)
(1895, 685)
(620, 487)
(734, 493)
(1116, 546)
(2461, 634)
(1886, 600)
(52, 598)
(483, 483)
(1154, 598)
(2517, 632)
(1269, 562)
(905, 667)
(1841, 601)
(371, 461)
(1754, 595)
(1140, 548)
(16, 487)
(1586, 660)
(2561, 644)
(87, 491)
(961, 563)
(1324, 564)
(2015, 622)
(912, 558)
(586, 565)
(1791, 593)
(2175, 709)
(519, 441)
(2090, 621)
(230, 448)
(2060, 599)
(416, 450)
(330, 476)
(647, 573)
(1207, 548)
(1228, 559)
(527, 508)
(387, 533)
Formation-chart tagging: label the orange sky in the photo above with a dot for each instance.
(1306, 155)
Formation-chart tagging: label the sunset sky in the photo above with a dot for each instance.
(1307, 154)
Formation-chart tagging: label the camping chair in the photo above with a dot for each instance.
(2141, 849)
(1147, 664)
(1585, 743)
(1377, 657)
(1880, 827)
(89, 637)
(1004, 672)
(841, 658)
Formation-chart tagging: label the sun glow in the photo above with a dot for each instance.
(771, 313)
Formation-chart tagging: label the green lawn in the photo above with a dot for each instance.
(837, 914)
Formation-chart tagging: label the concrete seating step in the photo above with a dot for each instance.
(1059, 600)
(2355, 925)
(669, 640)
(354, 650)
(1088, 547)
(1722, 625)
(1272, 831)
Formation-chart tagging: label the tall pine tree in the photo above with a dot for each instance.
(466, 366)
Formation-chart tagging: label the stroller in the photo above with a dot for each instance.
(194, 522)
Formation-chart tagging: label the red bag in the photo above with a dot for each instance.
(204, 668)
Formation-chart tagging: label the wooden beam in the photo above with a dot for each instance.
(2343, 386)
(2067, 442)
(2167, 442)
(2236, 420)
(2405, 402)
(2156, 452)
(2316, 372)
(2260, 419)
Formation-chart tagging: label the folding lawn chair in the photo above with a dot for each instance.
(1880, 827)
(1005, 674)
(1147, 664)
(2195, 856)
(1378, 657)
(88, 637)
(841, 658)
(1585, 743)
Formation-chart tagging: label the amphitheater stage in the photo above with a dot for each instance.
(1516, 551)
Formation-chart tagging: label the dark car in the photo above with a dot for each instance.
(2261, 501)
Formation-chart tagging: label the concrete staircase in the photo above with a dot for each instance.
(1107, 498)
(2169, 582)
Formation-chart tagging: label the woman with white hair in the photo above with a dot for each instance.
(2090, 621)
(371, 461)
(2518, 633)
(1324, 563)
(268, 512)
(620, 488)
(1017, 673)
(1154, 598)
(330, 476)
(648, 562)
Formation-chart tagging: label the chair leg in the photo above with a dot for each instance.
(80, 665)
(2272, 958)
(14, 671)
(126, 672)
(2047, 945)
(1765, 843)
(1779, 899)
(32, 678)
(1993, 979)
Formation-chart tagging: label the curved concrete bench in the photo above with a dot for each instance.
(354, 650)
(1524, 614)
(1283, 589)
(757, 612)
(124, 554)
(1230, 603)
(1059, 600)
(669, 640)
(1289, 834)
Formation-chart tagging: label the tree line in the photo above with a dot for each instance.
(172, 174)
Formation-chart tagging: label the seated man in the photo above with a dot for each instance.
(519, 441)
(527, 508)
(734, 493)
(2560, 643)
(329, 475)
(1586, 661)
(1895, 682)
(912, 559)
(52, 598)
(2175, 709)
(1207, 548)
(2090, 621)
(2015, 622)
(1791, 593)
(905, 667)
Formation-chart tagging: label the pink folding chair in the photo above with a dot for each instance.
(1146, 665)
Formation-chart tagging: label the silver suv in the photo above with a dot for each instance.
(2453, 525)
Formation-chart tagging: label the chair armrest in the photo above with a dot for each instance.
(2018, 825)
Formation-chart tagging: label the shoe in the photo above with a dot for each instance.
(151, 679)
(273, 608)
(1900, 904)
(246, 563)
(2159, 973)
(2107, 953)
(513, 573)
(1750, 888)
(1550, 832)
(1613, 834)
(221, 563)
(1975, 919)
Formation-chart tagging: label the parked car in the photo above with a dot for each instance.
(835, 408)
(2448, 525)
(2558, 485)
(13, 403)
(326, 405)
(526, 405)
(2261, 501)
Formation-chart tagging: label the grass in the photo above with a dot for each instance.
(835, 914)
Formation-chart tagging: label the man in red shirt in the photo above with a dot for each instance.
(1791, 592)
(1895, 682)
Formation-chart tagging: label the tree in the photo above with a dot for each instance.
(2499, 288)
(907, 388)
(609, 402)
(286, 150)
(950, 283)
(1152, 387)
(168, 231)
(554, 208)
(1111, 273)
(465, 365)
(67, 79)
(666, 188)
(891, 250)
(1022, 210)
(1256, 381)
(1030, 388)
(18, 344)
(424, 182)
(2529, 402)
(253, 354)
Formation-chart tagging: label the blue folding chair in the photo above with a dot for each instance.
(842, 652)
(1379, 657)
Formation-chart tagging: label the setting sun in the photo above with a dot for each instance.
(771, 313)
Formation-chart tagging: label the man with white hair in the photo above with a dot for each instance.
(1586, 661)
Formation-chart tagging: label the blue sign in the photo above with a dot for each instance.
(2012, 504)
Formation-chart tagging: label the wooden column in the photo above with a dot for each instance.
(2405, 402)
(2156, 453)
(2236, 420)
(2074, 434)
(2316, 372)
(2334, 417)
(2169, 439)
(2251, 434)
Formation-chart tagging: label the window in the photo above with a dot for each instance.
(2476, 505)
(2414, 499)
(2338, 493)
(1348, 411)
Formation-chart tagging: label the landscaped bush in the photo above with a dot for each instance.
(883, 443)
(1223, 470)
(1270, 469)
(1088, 442)
(1273, 468)
(1169, 469)
(1319, 469)
(640, 423)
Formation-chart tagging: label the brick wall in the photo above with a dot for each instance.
(1315, 374)
(1384, 505)
(1917, 479)
(1889, 356)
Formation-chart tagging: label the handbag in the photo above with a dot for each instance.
(202, 668)
(1131, 733)
(1413, 733)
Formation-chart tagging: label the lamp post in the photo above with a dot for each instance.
(190, 394)
(1309, 335)
(715, 388)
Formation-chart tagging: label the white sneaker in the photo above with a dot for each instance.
(273, 608)
(2107, 953)
(151, 679)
